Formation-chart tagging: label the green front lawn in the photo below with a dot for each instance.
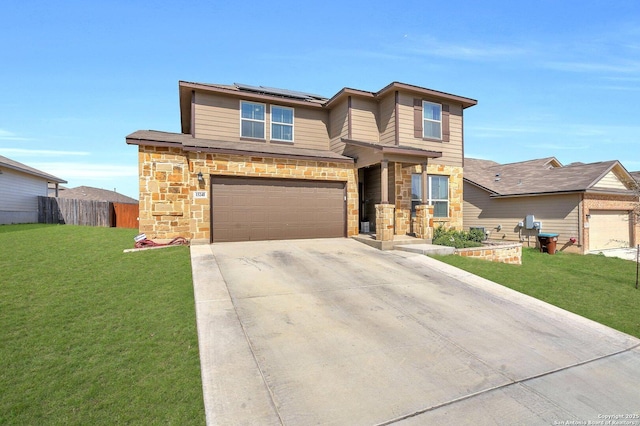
(596, 287)
(91, 335)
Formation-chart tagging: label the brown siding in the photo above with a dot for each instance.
(387, 120)
(558, 214)
(451, 151)
(338, 126)
(364, 126)
(218, 118)
(311, 129)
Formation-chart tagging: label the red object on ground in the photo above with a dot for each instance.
(178, 241)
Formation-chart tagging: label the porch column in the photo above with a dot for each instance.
(385, 212)
(425, 182)
(423, 225)
(424, 213)
(385, 215)
(384, 181)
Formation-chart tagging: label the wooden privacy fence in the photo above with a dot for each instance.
(126, 215)
(87, 212)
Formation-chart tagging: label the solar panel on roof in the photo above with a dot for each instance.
(279, 92)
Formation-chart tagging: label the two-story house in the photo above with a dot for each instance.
(257, 163)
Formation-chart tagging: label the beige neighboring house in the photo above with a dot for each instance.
(20, 187)
(258, 163)
(96, 194)
(591, 206)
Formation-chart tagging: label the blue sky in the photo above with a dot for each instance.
(552, 78)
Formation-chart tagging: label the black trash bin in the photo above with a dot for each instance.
(548, 242)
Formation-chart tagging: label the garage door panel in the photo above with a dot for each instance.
(248, 209)
(609, 229)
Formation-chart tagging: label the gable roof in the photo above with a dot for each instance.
(543, 176)
(96, 194)
(14, 165)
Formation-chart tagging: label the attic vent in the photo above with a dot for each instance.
(497, 177)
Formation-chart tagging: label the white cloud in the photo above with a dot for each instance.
(6, 135)
(68, 171)
(565, 130)
(627, 67)
(553, 146)
(40, 152)
(468, 51)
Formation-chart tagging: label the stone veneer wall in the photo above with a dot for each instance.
(503, 253)
(165, 208)
(403, 197)
(168, 178)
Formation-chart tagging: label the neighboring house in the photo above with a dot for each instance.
(55, 190)
(96, 194)
(20, 186)
(256, 163)
(591, 206)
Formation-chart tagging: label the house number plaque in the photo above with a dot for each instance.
(200, 194)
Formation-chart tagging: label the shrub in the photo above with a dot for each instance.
(457, 239)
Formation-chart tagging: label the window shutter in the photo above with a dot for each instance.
(417, 118)
(446, 133)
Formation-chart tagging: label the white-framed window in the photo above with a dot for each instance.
(252, 120)
(431, 120)
(281, 123)
(438, 194)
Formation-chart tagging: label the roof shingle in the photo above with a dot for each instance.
(540, 176)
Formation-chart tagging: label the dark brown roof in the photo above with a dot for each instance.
(96, 194)
(14, 165)
(540, 176)
(189, 143)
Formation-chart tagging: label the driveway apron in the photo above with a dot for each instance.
(334, 332)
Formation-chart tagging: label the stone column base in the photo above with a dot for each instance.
(422, 226)
(385, 216)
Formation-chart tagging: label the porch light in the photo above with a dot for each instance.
(200, 177)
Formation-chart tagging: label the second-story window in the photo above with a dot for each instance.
(431, 120)
(282, 123)
(252, 118)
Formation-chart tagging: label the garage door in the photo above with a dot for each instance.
(252, 209)
(608, 229)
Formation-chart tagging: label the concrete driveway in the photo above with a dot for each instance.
(335, 332)
(623, 253)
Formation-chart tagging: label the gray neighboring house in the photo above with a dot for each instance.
(591, 206)
(20, 187)
(96, 194)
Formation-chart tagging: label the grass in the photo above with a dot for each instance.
(91, 335)
(596, 287)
